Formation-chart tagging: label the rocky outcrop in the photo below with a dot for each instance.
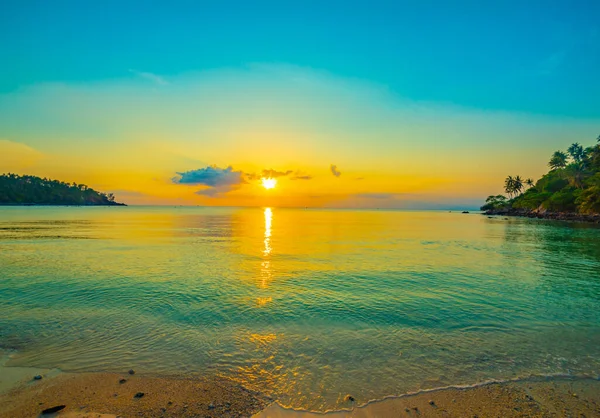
(543, 214)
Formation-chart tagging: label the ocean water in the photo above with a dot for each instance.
(304, 305)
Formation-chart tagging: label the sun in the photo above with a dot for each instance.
(268, 183)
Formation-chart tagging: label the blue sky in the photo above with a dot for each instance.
(532, 56)
(417, 104)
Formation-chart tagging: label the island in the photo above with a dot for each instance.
(569, 191)
(33, 190)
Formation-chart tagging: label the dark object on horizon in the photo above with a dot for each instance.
(465, 211)
(53, 409)
(122, 381)
(131, 371)
(138, 395)
(37, 377)
(32, 190)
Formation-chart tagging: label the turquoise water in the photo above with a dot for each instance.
(305, 305)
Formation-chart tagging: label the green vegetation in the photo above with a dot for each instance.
(32, 190)
(572, 185)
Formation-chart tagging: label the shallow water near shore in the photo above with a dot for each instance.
(304, 305)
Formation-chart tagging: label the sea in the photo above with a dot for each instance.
(304, 305)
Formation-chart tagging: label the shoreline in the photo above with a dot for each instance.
(555, 216)
(111, 395)
(57, 204)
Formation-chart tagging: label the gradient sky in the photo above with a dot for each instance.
(425, 104)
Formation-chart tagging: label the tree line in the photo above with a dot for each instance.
(32, 190)
(571, 185)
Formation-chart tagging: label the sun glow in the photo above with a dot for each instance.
(268, 183)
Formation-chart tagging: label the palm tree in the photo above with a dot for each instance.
(576, 174)
(598, 139)
(518, 184)
(576, 152)
(529, 182)
(509, 186)
(558, 160)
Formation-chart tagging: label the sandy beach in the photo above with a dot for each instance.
(110, 395)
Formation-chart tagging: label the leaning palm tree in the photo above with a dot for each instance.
(518, 185)
(558, 160)
(509, 186)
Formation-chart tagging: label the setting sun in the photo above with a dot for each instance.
(269, 183)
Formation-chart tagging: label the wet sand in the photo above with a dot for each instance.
(558, 397)
(103, 395)
(110, 395)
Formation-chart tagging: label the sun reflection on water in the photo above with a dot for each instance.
(265, 270)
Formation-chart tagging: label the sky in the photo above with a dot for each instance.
(403, 104)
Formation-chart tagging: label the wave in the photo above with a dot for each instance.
(531, 378)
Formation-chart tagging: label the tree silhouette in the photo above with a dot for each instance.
(576, 152)
(558, 160)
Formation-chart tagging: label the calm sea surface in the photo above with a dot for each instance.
(306, 305)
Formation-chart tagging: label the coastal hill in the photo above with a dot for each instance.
(32, 190)
(570, 190)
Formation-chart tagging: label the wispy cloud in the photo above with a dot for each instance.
(270, 173)
(155, 78)
(299, 175)
(380, 195)
(334, 170)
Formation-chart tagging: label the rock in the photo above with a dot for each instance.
(465, 211)
(53, 409)
(163, 409)
(138, 395)
(170, 403)
(211, 406)
(122, 381)
(407, 410)
(431, 402)
(349, 398)
(131, 371)
(37, 377)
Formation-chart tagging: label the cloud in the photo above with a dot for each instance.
(334, 170)
(150, 77)
(270, 173)
(219, 180)
(378, 195)
(299, 175)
